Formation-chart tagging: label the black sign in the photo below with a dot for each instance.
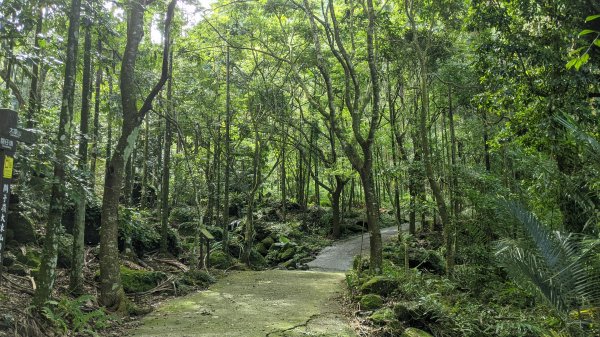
(9, 135)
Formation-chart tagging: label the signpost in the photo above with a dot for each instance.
(10, 134)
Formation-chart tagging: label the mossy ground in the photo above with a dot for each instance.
(249, 303)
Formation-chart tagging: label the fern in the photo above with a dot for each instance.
(556, 265)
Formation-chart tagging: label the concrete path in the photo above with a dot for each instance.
(266, 303)
(339, 256)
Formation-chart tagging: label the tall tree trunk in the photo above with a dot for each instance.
(96, 132)
(335, 206)
(145, 158)
(47, 273)
(256, 182)
(76, 277)
(34, 88)
(166, 172)
(433, 183)
(111, 289)
(227, 158)
(282, 176)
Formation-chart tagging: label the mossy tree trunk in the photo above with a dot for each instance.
(76, 276)
(47, 273)
(112, 295)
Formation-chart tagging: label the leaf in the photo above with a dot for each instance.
(571, 63)
(592, 17)
(586, 32)
(583, 59)
(597, 42)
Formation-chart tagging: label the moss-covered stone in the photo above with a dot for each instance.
(262, 249)
(8, 259)
(371, 302)
(287, 253)
(382, 316)
(31, 258)
(268, 242)
(22, 227)
(136, 281)
(403, 311)
(220, 260)
(414, 332)
(256, 259)
(196, 278)
(65, 250)
(381, 285)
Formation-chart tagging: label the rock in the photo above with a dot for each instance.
(382, 316)
(425, 259)
(8, 259)
(92, 222)
(414, 332)
(219, 260)
(371, 302)
(289, 264)
(65, 250)
(257, 259)
(381, 285)
(21, 226)
(261, 249)
(403, 312)
(136, 281)
(268, 242)
(197, 278)
(29, 258)
(287, 253)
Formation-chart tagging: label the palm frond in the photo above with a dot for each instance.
(556, 264)
(591, 143)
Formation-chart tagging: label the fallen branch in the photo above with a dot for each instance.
(173, 263)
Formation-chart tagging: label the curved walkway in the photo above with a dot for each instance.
(266, 303)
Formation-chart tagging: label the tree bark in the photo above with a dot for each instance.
(47, 273)
(227, 158)
(112, 295)
(166, 172)
(34, 89)
(76, 276)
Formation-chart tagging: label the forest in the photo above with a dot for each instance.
(411, 168)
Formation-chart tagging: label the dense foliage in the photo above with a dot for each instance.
(267, 127)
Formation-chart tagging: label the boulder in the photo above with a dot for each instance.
(382, 316)
(29, 257)
(381, 285)
(92, 223)
(21, 227)
(257, 259)
(260, 247)
(371, 302)
(287, 253)
(8, 259)
(65, 250)
(136, 281)
(414, 332)
(220, 260)
(268, 242)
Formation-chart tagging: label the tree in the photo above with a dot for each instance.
(358, 147)
(111, 290)
(47, 273)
